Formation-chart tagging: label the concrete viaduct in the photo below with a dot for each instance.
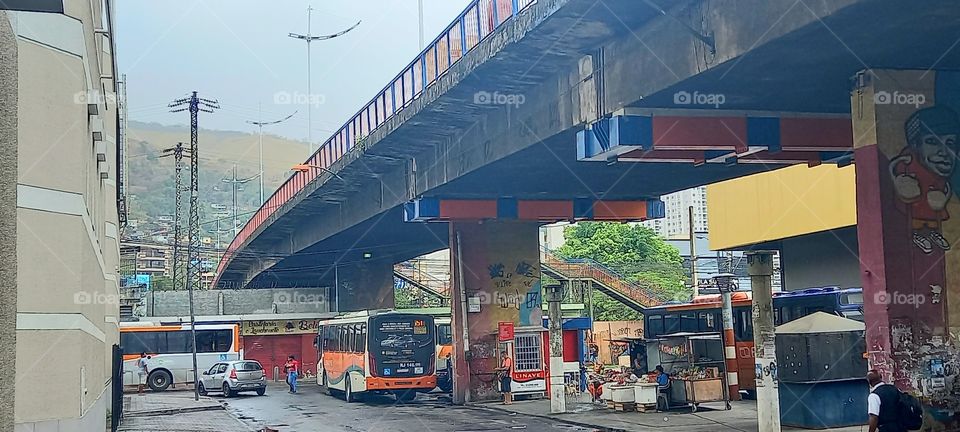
(528, 112)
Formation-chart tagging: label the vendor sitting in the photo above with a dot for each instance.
(662, 378)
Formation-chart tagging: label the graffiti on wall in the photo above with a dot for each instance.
(910, 336)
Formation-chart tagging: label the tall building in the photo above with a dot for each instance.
(60, 129)
(676, 223)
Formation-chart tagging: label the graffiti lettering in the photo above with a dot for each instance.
(496, 270)
(524, 268)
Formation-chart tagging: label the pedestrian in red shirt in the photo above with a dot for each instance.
(292, 367)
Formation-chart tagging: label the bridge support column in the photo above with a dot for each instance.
(906, 128)
(364, 285)
(495, 271)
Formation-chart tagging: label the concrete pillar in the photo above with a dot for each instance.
(760, 269)
(558, 394)
(8, 221)
(363, 285)
(906, 130)
(500, 275)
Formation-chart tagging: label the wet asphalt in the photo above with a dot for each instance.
(312, 410)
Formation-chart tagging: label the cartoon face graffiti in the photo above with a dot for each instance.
(921, 173)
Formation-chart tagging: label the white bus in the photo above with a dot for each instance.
(377, 352)
(168, 346)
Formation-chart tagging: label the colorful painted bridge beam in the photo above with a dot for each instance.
(437, 209)
(723, 137)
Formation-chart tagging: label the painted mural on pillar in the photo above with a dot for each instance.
(906, 124)
(502, 281)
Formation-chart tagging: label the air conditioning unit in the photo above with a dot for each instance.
(96, 126)
(100, 148)
(104, 168)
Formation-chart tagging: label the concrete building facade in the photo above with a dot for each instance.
(63, 132)
(676, 223)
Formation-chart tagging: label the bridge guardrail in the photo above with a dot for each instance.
(589, 269)
(474, 24)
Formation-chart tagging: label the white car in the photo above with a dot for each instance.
(233, 377)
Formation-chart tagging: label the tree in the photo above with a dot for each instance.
(635, 252)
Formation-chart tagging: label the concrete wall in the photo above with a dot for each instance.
(238, 302)
(8, 220)
(67, 252)
(821, 259)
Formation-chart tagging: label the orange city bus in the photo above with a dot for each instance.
(168, 346)
(444, 354)
(377, 352)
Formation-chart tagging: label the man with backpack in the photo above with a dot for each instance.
(890, 409)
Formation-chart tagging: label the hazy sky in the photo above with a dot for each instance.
(238, 52)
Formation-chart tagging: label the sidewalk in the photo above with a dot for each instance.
(176, 411)
(709, 418)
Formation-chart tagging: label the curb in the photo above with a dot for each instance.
(547, 417)
(172, 411)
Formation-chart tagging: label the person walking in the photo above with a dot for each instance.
(292, 367)
(506, 367)
(883, 405)
(142, 371)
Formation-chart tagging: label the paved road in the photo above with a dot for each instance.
(311, 410)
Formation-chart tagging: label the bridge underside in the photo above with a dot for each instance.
(783, 56)
(579, 61)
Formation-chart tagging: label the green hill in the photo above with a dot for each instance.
(150, 178)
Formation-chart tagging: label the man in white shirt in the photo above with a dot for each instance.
(882, 405)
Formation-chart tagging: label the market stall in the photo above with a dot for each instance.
(695, 364)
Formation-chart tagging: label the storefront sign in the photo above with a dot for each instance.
(277, 327)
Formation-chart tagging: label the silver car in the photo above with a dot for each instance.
(233, 377)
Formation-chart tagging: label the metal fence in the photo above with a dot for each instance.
(476, 22)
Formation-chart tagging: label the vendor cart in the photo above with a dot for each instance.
(695, 364)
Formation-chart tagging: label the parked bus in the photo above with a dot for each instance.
(702, 315)
(444, 354)
(169, 349)
(377, 352)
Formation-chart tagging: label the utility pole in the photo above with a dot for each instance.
(194, 105)
(178, 152)
(760, 268)
(235, 184)
(727, 284)
(558, 401)
(260, 124)
(310, 38)
(420, 10)
(694, 279)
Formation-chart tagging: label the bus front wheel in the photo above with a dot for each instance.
(159, 380)
(326, 384)
(348, 392)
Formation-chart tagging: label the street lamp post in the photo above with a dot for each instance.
(260, 124)
(310, 38)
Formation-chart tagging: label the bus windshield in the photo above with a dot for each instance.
(402, 345)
